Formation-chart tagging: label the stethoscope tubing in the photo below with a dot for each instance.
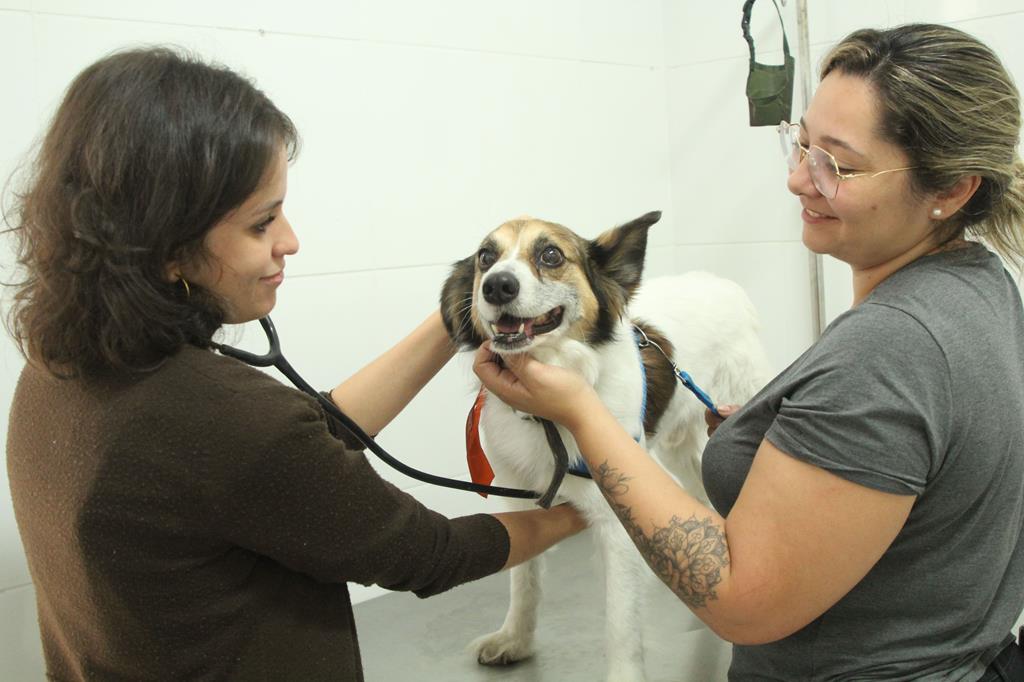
(275, 358)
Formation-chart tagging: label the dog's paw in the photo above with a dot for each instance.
(501, 648)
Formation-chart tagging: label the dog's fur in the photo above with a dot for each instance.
(537, 287)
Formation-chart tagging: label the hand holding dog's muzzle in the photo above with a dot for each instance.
(530, 386)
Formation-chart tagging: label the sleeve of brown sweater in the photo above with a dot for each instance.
(338, 429)
(277, 482)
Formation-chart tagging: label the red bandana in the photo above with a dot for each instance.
(479, 467)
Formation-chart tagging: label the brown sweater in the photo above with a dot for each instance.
(201, 521)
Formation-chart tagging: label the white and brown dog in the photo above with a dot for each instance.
(537, 287)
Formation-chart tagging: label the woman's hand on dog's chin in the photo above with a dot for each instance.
(531, 386)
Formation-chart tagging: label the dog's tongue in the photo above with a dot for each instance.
(510, 325)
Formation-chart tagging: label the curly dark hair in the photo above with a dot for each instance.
(149, 149)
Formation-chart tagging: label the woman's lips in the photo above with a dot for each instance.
(274, 279)
(811, 216)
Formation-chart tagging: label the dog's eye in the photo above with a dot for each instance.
(486, 258)
(552, 257)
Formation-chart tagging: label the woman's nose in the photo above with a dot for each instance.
(799, 181)
(287, 241)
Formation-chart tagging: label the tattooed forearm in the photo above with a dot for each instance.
(687, 555)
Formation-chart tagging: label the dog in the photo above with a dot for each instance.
(538, 287)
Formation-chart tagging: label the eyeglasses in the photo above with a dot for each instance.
(823, 168)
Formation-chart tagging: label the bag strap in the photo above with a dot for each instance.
(745, 25)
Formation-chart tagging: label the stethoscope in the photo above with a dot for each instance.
(275, 358)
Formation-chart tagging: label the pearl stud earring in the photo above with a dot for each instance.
(936, 212)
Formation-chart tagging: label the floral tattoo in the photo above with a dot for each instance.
(687, 555)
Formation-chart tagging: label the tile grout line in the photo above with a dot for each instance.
(261, 32)
(11, 588)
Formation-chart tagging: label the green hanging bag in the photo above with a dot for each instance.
(769, 86)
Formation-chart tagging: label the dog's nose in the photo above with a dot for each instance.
(500, 288)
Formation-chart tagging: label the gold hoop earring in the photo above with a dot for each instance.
(188, 292)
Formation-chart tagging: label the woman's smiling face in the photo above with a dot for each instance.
(245, 252)
(871, 222)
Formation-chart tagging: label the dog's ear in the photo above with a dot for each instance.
(457, 303)
(619, 253)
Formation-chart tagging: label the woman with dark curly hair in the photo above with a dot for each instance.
(868, 519)
(184, 515)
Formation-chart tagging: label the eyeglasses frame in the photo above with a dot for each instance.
(783, 129)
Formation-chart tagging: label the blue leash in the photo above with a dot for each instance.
(579, 467)
(684, 377)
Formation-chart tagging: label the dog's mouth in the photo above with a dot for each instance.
(511, 333)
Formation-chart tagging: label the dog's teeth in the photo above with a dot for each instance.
(522, 326)
(494, 329)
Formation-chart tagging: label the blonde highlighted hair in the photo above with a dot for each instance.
(948, 102)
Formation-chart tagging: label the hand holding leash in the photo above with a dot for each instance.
(715, 420)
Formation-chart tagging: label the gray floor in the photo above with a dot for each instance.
(405, 638)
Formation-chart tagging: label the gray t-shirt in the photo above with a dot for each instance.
(919, 390)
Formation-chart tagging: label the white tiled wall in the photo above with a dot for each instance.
(427, 124)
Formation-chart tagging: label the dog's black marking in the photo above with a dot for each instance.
(457, 304)
(614, 268)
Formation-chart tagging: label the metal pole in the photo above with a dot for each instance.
(814, 262)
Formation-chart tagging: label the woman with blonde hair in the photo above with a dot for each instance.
(869, 501)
